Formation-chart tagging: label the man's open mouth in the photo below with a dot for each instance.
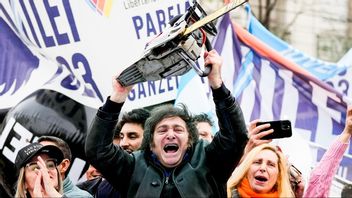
(171, 148)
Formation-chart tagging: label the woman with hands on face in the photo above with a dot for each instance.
(38, 173)
(44, 185)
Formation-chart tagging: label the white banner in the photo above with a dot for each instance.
(75, 47)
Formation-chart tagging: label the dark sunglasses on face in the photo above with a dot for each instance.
(49, 163)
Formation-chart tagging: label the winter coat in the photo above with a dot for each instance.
(203, 172)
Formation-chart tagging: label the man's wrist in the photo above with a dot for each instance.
(216, 84)
(221, 92)
(111, 106)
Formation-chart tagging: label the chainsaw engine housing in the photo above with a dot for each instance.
(171, 53)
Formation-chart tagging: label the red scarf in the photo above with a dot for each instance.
(245, 190)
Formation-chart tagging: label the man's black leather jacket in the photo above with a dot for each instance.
(203, 173)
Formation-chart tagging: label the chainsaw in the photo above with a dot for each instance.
(176, 50)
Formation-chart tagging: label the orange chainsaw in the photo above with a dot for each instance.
(176, 50)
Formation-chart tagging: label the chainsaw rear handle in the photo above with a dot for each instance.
(207, 68)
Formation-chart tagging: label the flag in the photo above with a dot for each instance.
(271, 87)
(337, 75)
(342, 81)
(321, 69)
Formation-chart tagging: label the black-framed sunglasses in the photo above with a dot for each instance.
(49, 163)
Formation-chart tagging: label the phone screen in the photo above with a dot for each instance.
(282, 129)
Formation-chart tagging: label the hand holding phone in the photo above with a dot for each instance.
(282, 129)
(255, 134)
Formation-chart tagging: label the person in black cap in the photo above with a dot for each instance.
(38, 173)
(69, 188)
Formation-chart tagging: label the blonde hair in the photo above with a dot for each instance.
(21, 190)
(283, 183)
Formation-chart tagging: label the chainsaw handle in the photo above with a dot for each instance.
(202, 73)
(207, 68)
(206, 71)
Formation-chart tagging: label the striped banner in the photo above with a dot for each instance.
(271, 87)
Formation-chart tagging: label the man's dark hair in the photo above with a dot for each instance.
(346, 191)
(168, 111)
(63, 146)
(203, 117)
(137, 116)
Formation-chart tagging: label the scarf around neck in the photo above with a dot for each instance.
(245, 190)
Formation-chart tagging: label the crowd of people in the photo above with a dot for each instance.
(168, 152)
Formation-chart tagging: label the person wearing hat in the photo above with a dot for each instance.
(69, 188)
(38, 173)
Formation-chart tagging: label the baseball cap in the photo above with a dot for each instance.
(29, 151)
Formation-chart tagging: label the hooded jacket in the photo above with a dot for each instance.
(203, 172)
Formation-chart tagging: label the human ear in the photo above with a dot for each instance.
(64, 165)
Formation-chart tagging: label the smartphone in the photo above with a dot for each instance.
(282, 129)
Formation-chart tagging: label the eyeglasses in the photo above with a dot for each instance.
(49, 163)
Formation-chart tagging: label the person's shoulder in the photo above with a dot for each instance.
(91, 182)
(201, 144)
(90, 186)
(79, 193)
(198, 151)
(137, 154)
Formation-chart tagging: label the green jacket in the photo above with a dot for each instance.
(203, 173)
(70, 190)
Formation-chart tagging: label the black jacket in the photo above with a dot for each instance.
(203, 173)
